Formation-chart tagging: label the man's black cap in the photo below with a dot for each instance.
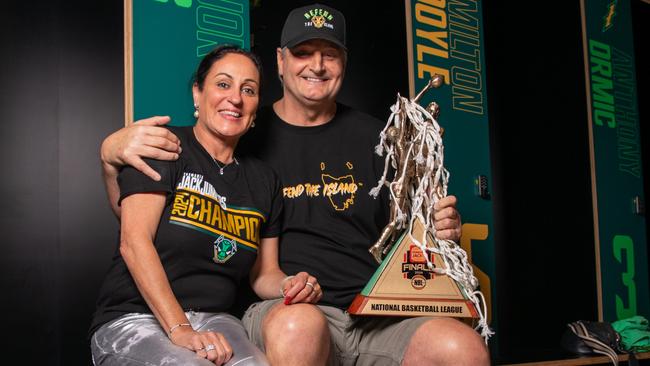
(315, 21)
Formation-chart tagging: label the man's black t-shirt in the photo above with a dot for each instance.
(330, 221)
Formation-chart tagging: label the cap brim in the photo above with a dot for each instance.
(307, 37)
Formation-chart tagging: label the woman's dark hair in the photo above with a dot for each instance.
(217, 54)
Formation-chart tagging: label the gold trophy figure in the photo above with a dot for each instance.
(405, 170)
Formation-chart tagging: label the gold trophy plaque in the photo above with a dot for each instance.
(419, 275)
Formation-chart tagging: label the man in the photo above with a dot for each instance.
(323, 153)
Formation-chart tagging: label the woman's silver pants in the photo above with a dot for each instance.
(137, 339)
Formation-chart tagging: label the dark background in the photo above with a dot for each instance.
(62, 93)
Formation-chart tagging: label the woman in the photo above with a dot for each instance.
(188, 239)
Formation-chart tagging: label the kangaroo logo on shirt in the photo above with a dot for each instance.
(224, 249)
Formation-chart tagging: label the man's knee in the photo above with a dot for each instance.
(294, 323)
(445, 341)
(296, 335)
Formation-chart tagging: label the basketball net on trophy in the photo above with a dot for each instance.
(419, 275)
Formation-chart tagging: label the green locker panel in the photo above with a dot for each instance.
(446, 37)
(164, 42)
(615, 154)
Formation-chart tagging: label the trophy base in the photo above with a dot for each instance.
(403, 285)
(363, 305)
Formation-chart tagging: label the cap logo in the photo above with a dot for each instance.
(318, 21)
(319, 18)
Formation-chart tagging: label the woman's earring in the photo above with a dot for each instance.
(253, 121)
(196, 111)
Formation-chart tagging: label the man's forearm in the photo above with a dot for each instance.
(127, 146)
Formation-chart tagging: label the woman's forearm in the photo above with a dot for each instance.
(140, 216)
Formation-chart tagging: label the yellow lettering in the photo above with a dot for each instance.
(293, 192)
(255, 228)
(206, 207)
(216, 216)
(224, 223)
(231, 222)
(239, 224)
(299, 189)
(437, 3)
(248, 228)
(432, 70)
(180, 204)
(330, 189)
(312, 189)
(190, 210)
(435, 38)
(440, 21)
(336, 188)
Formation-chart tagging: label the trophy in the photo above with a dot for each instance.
(419, 274)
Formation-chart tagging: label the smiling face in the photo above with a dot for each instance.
(312, 72)
(228, 99)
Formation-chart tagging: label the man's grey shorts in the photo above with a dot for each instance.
(356, 340)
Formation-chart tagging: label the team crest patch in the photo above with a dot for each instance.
(224, 249)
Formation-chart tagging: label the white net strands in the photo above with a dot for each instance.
(412, 144)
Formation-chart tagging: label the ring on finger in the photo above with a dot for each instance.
(309, 284)
(210, 347)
